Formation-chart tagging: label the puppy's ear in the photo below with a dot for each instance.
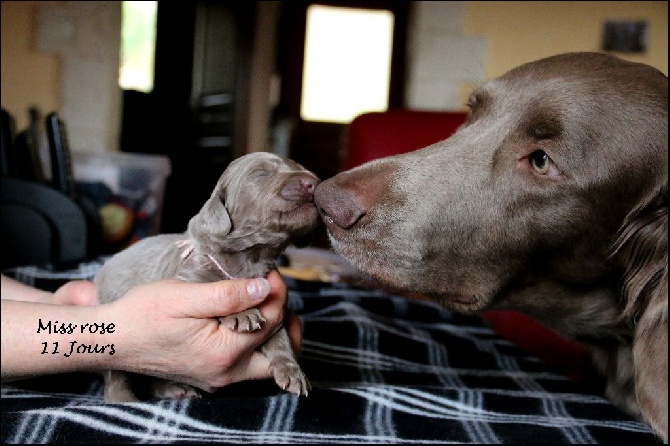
(642, 247)
(213, 220)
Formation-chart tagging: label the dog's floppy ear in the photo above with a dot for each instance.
(213, 220)
(642, 247)
(650, 359)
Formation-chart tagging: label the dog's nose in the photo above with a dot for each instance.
(337, 205)
(299, 187)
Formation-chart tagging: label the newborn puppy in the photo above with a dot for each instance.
(260, 204)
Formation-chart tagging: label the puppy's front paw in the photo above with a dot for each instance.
(245, 321)
(289, 376)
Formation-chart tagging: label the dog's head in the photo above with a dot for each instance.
(260, 200)
(530, 192)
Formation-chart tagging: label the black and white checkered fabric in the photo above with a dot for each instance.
(384, 369)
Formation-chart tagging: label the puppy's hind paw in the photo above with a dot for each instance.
(245, 321)
(290, 377)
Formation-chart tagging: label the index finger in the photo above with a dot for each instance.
(213, 299)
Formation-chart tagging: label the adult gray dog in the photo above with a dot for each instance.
(551, 199)
(261, 204)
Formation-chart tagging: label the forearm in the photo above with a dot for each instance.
(167, 329)
(15, 290)
(40, 339)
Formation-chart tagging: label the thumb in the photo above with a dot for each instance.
(221, 298)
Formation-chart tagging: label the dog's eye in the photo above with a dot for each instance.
(540, 161)
(541, 164)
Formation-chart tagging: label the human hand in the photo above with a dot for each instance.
(168, 329)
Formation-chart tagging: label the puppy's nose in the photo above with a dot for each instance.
(337, 205)
(299, 187)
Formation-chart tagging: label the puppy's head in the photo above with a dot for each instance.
(260, 200)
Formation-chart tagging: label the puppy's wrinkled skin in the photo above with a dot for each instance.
(551, 199)
(260, 205)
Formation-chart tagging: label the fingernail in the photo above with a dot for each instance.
(258, 288)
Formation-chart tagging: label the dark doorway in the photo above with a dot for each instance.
(199, 100)
(317, 145)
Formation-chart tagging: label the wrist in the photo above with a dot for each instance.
(79, 339)
(40, 339)
(97, 338)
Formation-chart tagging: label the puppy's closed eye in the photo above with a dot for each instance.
(260, 174)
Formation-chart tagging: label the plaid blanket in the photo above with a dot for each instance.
(384, 369)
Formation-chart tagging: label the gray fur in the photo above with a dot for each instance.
(581, 247)
(261, 204)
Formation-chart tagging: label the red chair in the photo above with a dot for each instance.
(380, 134)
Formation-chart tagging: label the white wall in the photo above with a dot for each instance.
(85, 36)
(440, 57)
(452, 45)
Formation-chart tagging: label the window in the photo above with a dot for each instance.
(347, 63)
(138, 44)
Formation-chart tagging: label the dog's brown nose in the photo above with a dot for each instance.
(299, 187)
(337, 205)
